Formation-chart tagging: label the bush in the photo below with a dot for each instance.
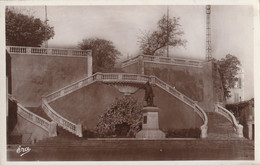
(123, 118)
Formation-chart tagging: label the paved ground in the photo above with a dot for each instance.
(101, 150)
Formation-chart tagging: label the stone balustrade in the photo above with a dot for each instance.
(112, 78)
(163, 60)
(203, 116)
(48, 51)
(61, 121)
(50, 127)
(228, 115)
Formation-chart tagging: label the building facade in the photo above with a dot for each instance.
(237, 93)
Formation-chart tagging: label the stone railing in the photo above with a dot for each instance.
(70, 88)
(164, 60)
(131, 60)
(173, 91)
(228, 115)
(203, 116)
(47, 51)
(112, 78)
(188, 101)
(61, 121)
(50, 127)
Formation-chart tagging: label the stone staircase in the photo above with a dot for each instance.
(220, 128)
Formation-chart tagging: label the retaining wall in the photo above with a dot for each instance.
(194, 82)
(37, 75)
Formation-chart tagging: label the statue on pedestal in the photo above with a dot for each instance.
(148, 94)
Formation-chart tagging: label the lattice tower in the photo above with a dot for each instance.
(208, 34)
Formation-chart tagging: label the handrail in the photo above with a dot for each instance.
(224, 112)
(70, 88)
(37, 120)
(161, 59)
(228, 115)
(48, 51)
(112, 78)
(189, 102)
(61, 121)
(203, 115)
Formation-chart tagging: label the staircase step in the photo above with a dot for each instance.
(219, 127)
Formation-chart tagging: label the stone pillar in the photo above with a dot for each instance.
(204, 130)
(239, 130)
(141, 64)
(49, 51)
(79, 130)
(52, 129)
(152, 78)
(250, 130)
(98, 78)
(150, 124)
(90, 64)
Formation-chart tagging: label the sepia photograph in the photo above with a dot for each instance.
(141, 82)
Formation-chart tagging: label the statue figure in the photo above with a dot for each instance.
(148, 94)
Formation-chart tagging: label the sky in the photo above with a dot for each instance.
(231, 33)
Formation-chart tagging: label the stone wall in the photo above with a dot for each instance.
(37, 75)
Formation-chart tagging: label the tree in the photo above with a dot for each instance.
(228, 68)
(24, 30)
(122, 118)
(104, 53)
(168, 33)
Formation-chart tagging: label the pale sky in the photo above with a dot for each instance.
(232, 29)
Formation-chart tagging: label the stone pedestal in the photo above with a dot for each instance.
(150, 124)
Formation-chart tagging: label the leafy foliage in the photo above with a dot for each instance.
(24, 30)
(168, 32)
(122, 115)
(228, 68)
(104, 53)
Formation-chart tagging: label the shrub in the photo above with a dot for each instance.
(123, 118)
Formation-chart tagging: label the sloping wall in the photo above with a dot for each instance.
(37, 75)
(86, 104)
